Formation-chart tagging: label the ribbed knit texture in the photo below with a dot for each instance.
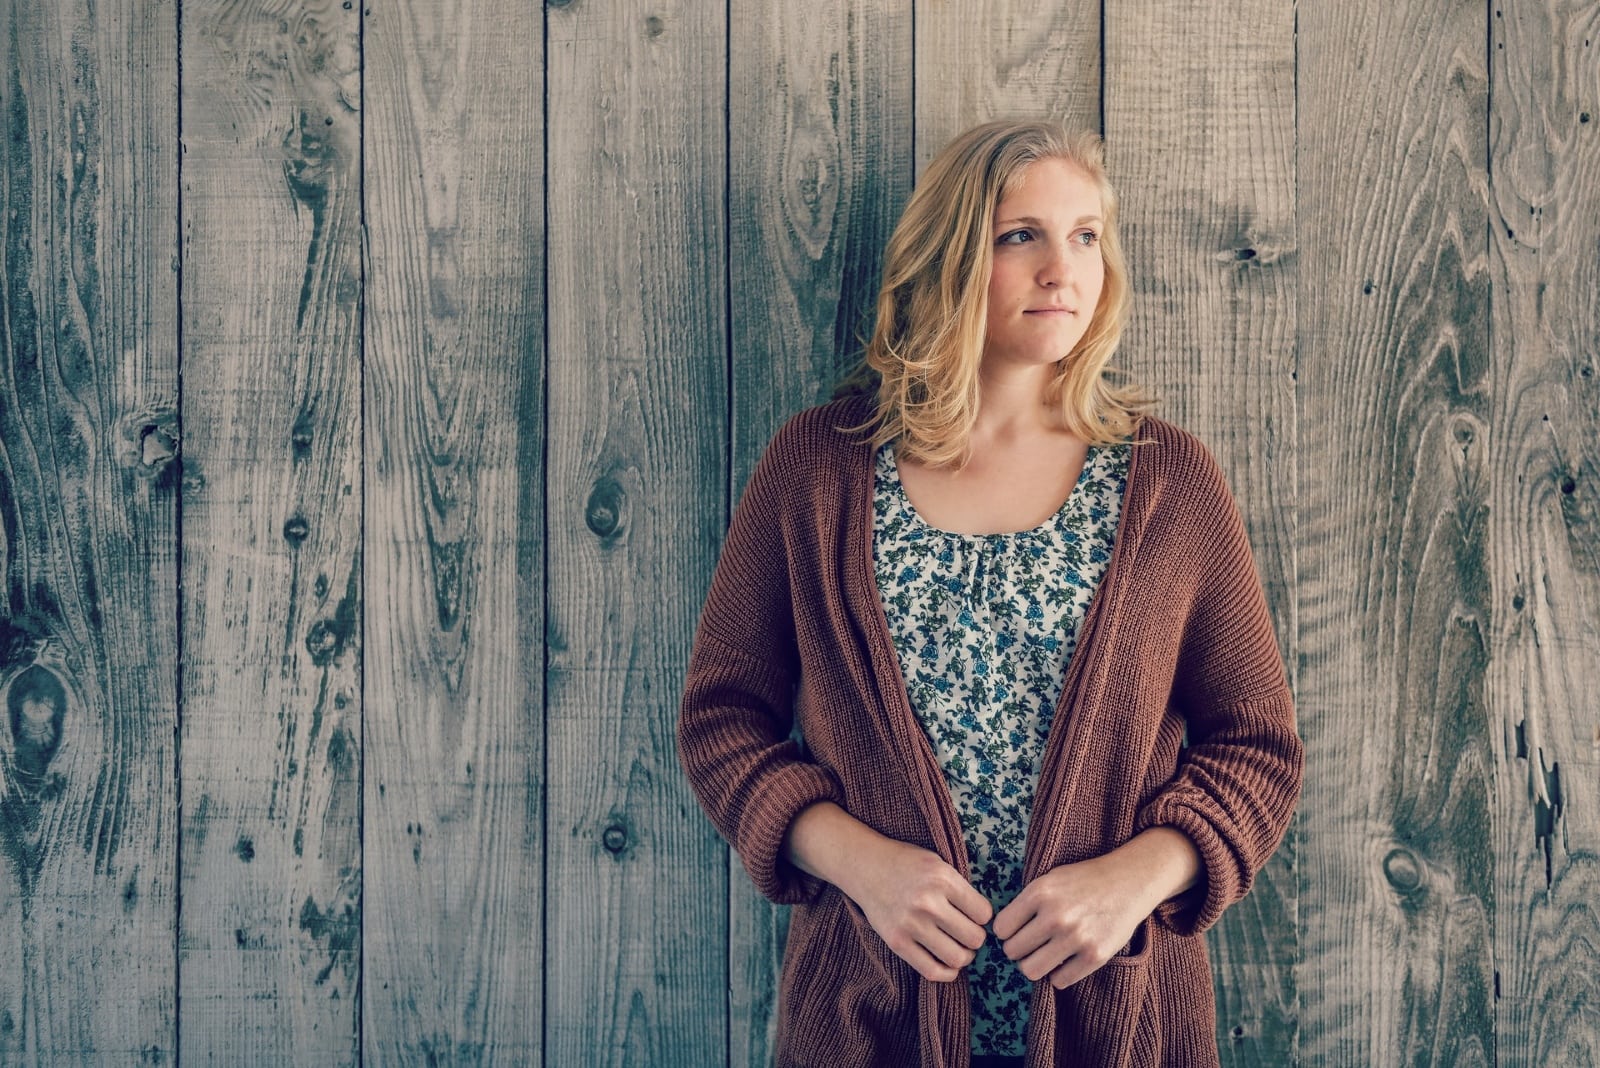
(1178, 637)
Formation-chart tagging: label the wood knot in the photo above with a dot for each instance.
(603, 511)
(300, 436)
(1402, 869)
(654, 27)
(296, 529)
(324, 641)
(149, 442)
(615, 839)
(158, 444)
(36, 707)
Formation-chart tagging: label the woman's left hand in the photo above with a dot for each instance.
(1073, 918)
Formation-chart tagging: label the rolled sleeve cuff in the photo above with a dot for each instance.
(1220, 883)
(773, 809)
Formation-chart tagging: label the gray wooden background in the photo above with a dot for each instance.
(377, 379)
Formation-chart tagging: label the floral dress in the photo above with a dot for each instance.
(984, 625)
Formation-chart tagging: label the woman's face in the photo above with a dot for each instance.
(1048, 272)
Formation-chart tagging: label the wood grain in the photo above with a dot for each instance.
(1397, 880)
(272, 598)
(978, 60)
(1544, 474)
(88, 495)
(820, 138)
(1209, 227)
(636, 889)
(1365, 280)
(453, 534)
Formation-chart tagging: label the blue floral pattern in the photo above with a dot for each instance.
(985, 625)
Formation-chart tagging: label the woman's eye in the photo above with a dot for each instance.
(1091, 236)
(1015, 237)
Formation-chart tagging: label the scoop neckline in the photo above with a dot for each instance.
(1089, 456)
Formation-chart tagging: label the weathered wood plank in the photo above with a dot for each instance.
(454, 487)
(88, 495)
(989, 59)
(820, 122)
(272, 593)
(636, 892)
(1396, 877)
(1208, 216)
(1544, 437)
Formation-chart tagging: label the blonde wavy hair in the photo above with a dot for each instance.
(923, 357)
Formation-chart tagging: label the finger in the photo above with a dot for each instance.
(1072, 970)
(927, 966)
(1028, 940)
(974, 905)
(946, 950)
(1043, 961)
(1011, 918)
(963, 930)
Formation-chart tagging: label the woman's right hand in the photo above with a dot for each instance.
(925, 912)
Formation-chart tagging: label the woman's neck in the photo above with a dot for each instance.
(1011, 405)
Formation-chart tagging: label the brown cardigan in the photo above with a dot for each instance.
(1176, 636)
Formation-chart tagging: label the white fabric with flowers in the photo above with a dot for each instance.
(985, 625)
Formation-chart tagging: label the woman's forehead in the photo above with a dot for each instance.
(1054, 185)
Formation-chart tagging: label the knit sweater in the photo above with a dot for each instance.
(1175, 711)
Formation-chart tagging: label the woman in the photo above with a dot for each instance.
(999, 852)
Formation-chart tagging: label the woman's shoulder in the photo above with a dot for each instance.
(808, 463)
(1173, 451)
(828, 432)
(1179, 474)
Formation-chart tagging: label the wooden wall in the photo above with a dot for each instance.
(377, 379)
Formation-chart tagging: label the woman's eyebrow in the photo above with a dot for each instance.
(1031, 221)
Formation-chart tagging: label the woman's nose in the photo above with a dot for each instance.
(1056, 270)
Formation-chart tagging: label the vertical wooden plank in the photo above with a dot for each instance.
(636, 969)
(1544, 161)
(88, 494)
(820, 147)
(453, 465)
(1396, 874)
(272, 593)
(978, 60)
(1202, 154)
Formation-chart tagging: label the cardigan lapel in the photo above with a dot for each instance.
(1062, 768)
(912, 749)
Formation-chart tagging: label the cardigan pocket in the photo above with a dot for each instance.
(1104, 1019)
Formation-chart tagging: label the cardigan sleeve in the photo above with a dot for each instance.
(736, 715)
(1238, 778)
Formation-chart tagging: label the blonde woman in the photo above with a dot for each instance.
(1044, 734)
